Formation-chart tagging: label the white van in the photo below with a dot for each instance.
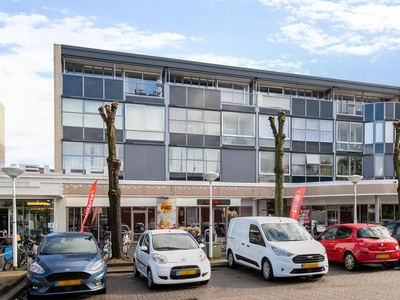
(279, 247)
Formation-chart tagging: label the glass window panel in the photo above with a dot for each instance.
(195, 127)
(97, 162)
(71, 148)
(92, 107)
(342, 165)
(389, 132)
(267, 162)
(94, 149)
(93, 121)
(312, 124)
(211, 129)
(298, 159)
(378, 165)
(119, 122)
(154, 118)
(343, 132)
(312, 159)
(212, 116)
(211, 154)
(212, 166)
(177, 165)
(144, 135)
(177, 113)
(246, 124)
(326, 159)
(299, 135)
(194, 153)
(298, 123)
(74, 162)
(71, 119)
(378, 132)
(312, 135)
(195, 115)
(369, 133)
(177, 153)
(326, 125)
(230, 123)
(298, 170)
(194, 166)
(135, 117)
(357, 133)
(72, 105)
(177, 126)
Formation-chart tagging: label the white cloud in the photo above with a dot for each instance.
(357, 27)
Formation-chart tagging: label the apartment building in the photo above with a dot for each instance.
(179, 119)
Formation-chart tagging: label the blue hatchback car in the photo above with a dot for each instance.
(67, 263)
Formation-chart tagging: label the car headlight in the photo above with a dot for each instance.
(98, 265)
(160, 259)
(281, 252)
(202, 256)
(35, 268)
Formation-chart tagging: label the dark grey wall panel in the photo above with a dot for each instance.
(93, 87)
(238, 165)
(312, 108)
(144, 162)
(73, 133)
(389, 111)
(177, 95)
(114, 89)
(212, 99)
(195, 97)
(368, 167)
(72, 85)
(94, 134)
(326, 109)
(298, 107)
(389, 167)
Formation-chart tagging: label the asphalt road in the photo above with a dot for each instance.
(370, 282)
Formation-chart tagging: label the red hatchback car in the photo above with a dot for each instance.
(356, 244)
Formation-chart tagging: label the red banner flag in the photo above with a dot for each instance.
(296, 202)
(93, 218)
(89, 204)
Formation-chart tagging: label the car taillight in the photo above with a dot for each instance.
(397, 248)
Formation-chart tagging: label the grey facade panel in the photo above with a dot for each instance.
(326, 108)
(298, 107)
(238, 165)
(238, 108)
(72, 133)
(212, 99)
(350, 118)
(93, 87)
(389, 167)
(114, 89)
(144, 162)
(177, 95)
(312, 108)
(72, 85)
(368, 168)
(144, 100)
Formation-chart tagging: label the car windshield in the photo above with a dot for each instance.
(173, 241)
(373, 232)
(285, 232)
(67, 245)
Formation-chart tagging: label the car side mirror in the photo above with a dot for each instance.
(30, 253)
(202, 245)
(144, 248)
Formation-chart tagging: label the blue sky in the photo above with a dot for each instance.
(351, 40)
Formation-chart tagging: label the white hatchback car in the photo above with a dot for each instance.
(170, 256)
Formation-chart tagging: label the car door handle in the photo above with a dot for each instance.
(243, 244)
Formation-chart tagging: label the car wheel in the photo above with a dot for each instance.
(135, 269)
(390, 264)
(204, 282)
(350, 262)
(231, 260)
(266, 269)
(150, 282)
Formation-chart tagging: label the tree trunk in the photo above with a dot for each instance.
(114, 192)
(279, 152)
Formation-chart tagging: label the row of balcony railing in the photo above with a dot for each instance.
(243, 98)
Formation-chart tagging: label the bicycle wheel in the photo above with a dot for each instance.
(22, 259)
(125, 248)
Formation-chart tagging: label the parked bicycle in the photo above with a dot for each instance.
(126, 242)
(22, 257)
(105, 245)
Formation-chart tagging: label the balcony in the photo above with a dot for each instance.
(151, 89)
(349, 108)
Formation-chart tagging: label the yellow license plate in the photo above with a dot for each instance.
(309, 266)
(185, 272)
(383, 256)
(68, 282)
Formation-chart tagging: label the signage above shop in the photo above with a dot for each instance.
(214, 202)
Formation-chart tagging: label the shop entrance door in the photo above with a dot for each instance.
(139, 221)
(332, 217)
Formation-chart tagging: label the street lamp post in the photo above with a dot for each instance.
(210, 177)
(355, 179)
(14, 171)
